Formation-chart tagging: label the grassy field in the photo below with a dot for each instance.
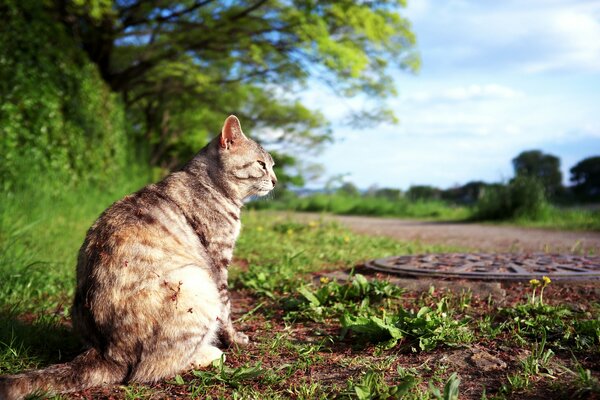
(312, 337)
(498, 210)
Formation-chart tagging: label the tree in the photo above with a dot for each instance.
(543, 167)
(468, 193)
(423, 192)
(181, 66)
(349, 189)
(585, 176)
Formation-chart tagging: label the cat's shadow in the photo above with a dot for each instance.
(35, 340)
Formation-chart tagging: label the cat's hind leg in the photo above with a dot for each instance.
(186, 308)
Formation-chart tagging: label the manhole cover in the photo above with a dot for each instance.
(498, 267)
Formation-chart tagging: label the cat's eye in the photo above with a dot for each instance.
(262, 164)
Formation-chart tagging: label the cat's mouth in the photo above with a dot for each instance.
(264, 188)
(263, 192)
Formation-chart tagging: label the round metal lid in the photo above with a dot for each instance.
(497, 267)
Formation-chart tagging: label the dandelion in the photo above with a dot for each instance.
(313, 224)
(290, 232)
(346, 239)
(546, 281)
(260, 228)
(534, 284)
(324, 280)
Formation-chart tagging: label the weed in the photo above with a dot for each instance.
(333, 298)
(373, 386)
(451, 387)
(222, 374)
(428, 327)
(536, 364)
(586, 385)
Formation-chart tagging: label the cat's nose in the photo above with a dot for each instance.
(274, 181)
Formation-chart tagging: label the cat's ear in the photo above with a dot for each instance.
(231, 132)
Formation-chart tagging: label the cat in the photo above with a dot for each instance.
(152, 298)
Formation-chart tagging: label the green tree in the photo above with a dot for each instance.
(349, 189)
(423, 192)
(181, 66)
(585, 176)
(543, 167)
(468, 193)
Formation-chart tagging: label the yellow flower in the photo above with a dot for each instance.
(324, 279)
(290, 231)
(546, 280)
(260, 229)
(313, 224)
(534, 283)
(346, 239)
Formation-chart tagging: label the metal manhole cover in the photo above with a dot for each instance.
(496, 267)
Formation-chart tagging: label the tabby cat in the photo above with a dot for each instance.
(151, 298)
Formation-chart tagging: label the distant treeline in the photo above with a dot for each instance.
(534, 196)
(534, 164)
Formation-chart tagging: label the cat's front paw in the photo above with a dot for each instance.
(240, 338)
(229, 337)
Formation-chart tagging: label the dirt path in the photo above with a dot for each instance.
(476, 237)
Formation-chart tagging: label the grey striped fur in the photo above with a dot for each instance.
(152, 298)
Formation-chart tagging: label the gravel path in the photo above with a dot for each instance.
(476, 237)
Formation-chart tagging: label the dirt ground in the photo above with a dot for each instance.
(475, 237)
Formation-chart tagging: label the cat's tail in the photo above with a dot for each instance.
(86, 370)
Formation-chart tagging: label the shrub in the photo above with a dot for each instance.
(523, 197)
(59, 122)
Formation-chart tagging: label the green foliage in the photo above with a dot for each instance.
(332, 298)
(587, 386)
(534, 365)
(585, 176)
(233, 377)
(451, 391)
(523, 198)
(373, 386)
(341, 203)
(58, 120)
(469, 193)
(562, 326)
(545, 168)
(428, 327)
(182, 65)
(423, 192)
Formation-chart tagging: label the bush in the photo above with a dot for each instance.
(59, 122)
(521, 198)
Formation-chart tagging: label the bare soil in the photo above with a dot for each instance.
(475, 237)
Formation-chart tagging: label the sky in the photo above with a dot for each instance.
(497, 78)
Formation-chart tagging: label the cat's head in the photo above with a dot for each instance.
(247, 166)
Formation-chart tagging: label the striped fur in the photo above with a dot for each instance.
(151, 298)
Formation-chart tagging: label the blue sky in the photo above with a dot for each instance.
(498, 77)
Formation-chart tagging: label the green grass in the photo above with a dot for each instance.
(521, 203)
(367, 205)
(313, 339)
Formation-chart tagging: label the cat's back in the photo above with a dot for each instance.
(145, 230)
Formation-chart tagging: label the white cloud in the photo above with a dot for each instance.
(465, 93)
(529, 36)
